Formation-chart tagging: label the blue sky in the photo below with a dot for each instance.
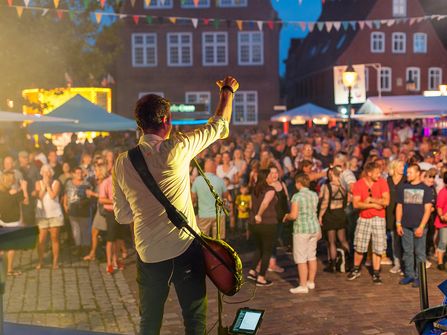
(291, 10)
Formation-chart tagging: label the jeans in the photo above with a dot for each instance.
(80, 227)
(397, 247)
(413, 246)
(442, 239)
(187, 272)
(265, 237)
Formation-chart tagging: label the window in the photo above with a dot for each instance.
(385, 79)
(366, 79)
(400, 8)
(199, 98)
(190, 4)
(420, 43)
(377, 42)
(159, 4)
(250, 48)
(434, 78)
(179, 49)
(414, 74)
(245, 107)
(399, 43)
(141, 94)
(144, 50)
(232, 3)
(215, 48)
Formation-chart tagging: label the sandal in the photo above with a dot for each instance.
(89, 258)
(252, 275)
(14, 273)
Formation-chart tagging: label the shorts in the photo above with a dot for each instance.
(305, 247)
(112, 227)
(45, 223)
(370, 229)
(208, 226)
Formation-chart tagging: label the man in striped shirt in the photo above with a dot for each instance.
(306, 233)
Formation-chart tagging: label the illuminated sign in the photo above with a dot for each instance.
(181, 108)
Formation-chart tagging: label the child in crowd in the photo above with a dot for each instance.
(243, 203)
(306, 233)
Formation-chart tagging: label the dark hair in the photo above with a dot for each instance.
(370, 166)
(303, 179)
(261, 181)
(444, 178)
(415, 166)
(150, 111)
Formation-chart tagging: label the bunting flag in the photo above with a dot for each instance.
(310, 26)
(19, 10)
(147, 3)
(196, 3)
(239, 24)
(98, 17)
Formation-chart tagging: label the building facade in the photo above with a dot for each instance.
(181, 59)
(406, 52)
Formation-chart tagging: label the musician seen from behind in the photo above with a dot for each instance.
(166, 254)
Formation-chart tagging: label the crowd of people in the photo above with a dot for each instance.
(374, 200)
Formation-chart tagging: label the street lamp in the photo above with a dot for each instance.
(349, 79)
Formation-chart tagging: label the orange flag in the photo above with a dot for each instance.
(239, 24)
(56, 3)
(19, 11)
(98, 17)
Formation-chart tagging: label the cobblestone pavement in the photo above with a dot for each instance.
(82, 296)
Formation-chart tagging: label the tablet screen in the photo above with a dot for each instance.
(247, 321)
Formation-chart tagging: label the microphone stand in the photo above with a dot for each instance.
(221, 330)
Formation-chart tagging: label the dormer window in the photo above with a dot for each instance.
(399, 8)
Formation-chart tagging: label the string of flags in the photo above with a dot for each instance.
(310, 26)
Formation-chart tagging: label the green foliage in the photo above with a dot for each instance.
(38, 50)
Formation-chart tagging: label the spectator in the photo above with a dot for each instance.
(31, 174)
(441, 225)
(54, 163)
(243, 204)
(306, 233)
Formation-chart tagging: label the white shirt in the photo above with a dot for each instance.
(156, 238)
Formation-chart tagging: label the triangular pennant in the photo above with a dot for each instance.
(173, 20)
(216, 23)
(251, 25)
(419, 19)
(196, 3)
(19, 10)
(45, 11)
(98, 17)
(9, 3)
(102, 3)
(132, 2)
(329, 25)
(337, 25)
(270, 24)
(26, 2)
(353, 25)
(376, 24)
(56, 3)
(311, 26)
(195, 22)
(320, 26)
(303, 26)
(239, 24)
(149, 19)
(206, 21)
(147, 3)
(361, 25)
(136, 18)
(383, 21)
(345, 25)
(86, 3)
(60, 14)
(390, 22)
(259, 24)
(122, 16)
(369, 24)
(71, 14)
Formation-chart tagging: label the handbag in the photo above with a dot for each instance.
(222, 264)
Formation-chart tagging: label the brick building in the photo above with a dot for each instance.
(405, 52)
(182, 63)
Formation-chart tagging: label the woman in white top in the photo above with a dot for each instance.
(49, 215)
(226, 169)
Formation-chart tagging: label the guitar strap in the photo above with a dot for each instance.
(137, 159)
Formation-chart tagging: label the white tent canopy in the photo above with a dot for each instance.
(17, 117)
(306, 112)
(402, 107)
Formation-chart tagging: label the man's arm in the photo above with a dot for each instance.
(121, 207)
(384, 201)
(227, 87)
(357, 203)
(399, 213)
(419, 232)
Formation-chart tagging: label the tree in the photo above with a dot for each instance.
(43, 51)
